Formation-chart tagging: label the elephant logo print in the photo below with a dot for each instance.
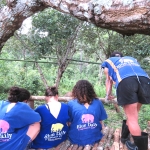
(87, 118)
(56, 127)
(4, 126)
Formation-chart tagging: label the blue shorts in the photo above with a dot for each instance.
(133, 89)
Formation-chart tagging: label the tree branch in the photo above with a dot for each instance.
(125, 17)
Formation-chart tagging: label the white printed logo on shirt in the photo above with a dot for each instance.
(4, 127)
(56, 132)
(87, 122)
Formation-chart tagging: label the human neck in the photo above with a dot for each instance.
(86, 105)
(52, 99)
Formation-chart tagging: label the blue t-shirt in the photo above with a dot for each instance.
(85, 125)
(53, 130)
(123, 67)
(14, 125)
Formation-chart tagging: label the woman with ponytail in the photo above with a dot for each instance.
(53, 123)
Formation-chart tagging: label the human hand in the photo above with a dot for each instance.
(109, 97)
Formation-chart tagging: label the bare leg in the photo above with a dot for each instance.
(131, 112)
(33, 130)
(139, 106)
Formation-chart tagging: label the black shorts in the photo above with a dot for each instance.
(131, 90)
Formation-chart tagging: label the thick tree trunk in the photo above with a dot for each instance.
(66, 56)
(12, 16)
(126, 17)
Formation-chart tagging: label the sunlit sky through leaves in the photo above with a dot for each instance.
(26, 25)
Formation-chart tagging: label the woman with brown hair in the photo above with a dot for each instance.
(86, 113)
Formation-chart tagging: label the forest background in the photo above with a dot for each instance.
(60, 50)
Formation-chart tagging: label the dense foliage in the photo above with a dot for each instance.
(92, 45)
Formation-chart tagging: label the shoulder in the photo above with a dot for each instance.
(108, 61)
(41, 107)
(26, 111)
(97, 101)
(104, 64)
(4, 102)
(72, 102)
(64, 104)
(128, 57)
(24, 107)
(22, 104)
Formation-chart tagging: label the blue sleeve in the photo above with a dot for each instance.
(63, 114)
(70, 111)
(66, 112)
(37, 109)
(103, 64)
(25, 116)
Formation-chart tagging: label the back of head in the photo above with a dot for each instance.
(25, 95)
(17, 94)
(116, 54)
(84, 92)
(51, 91)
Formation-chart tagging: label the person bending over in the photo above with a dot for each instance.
(19, 124)
(86, 113)
(132, 87)
(54, 116)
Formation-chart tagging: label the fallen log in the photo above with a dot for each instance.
(104, 139)
(67, 99)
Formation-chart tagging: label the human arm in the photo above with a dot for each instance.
(108, 84)
(102, 123)
(33, 130)
(102, 114)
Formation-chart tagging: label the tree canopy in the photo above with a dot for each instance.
(125, 17)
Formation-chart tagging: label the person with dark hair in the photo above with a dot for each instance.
(54, 126)
(19, 124)
(132, 85)
(116, 54)
(86, 113)
(24, 96)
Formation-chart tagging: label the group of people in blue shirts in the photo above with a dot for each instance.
(81, 119)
